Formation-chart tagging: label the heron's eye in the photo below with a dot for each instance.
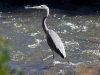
(41, 6)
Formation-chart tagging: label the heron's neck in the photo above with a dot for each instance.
(45, 28)
(44, 24)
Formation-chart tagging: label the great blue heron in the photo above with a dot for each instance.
(53, 39)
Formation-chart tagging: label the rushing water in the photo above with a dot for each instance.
(79, 33)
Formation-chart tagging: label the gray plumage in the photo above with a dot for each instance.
(55, 43)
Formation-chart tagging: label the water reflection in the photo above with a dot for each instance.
(80, 35)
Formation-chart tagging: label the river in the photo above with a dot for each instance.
(80, 34)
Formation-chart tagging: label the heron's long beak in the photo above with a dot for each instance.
(34, 7)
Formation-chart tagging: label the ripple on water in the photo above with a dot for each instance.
(16, 56)
(74, 26)
(17, 25)
(6, 22)
(72, 45)
(34, 34)
(36, 44)
(93, 52)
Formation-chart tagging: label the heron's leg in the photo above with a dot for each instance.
(54, 62)
(53, 56)
(69, 61)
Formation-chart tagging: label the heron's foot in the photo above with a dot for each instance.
(70, 63)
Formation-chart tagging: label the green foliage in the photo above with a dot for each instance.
(5, 58)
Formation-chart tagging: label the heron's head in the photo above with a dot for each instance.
(37, 7)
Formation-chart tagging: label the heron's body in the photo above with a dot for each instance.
(53, 39)
(55, 43)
